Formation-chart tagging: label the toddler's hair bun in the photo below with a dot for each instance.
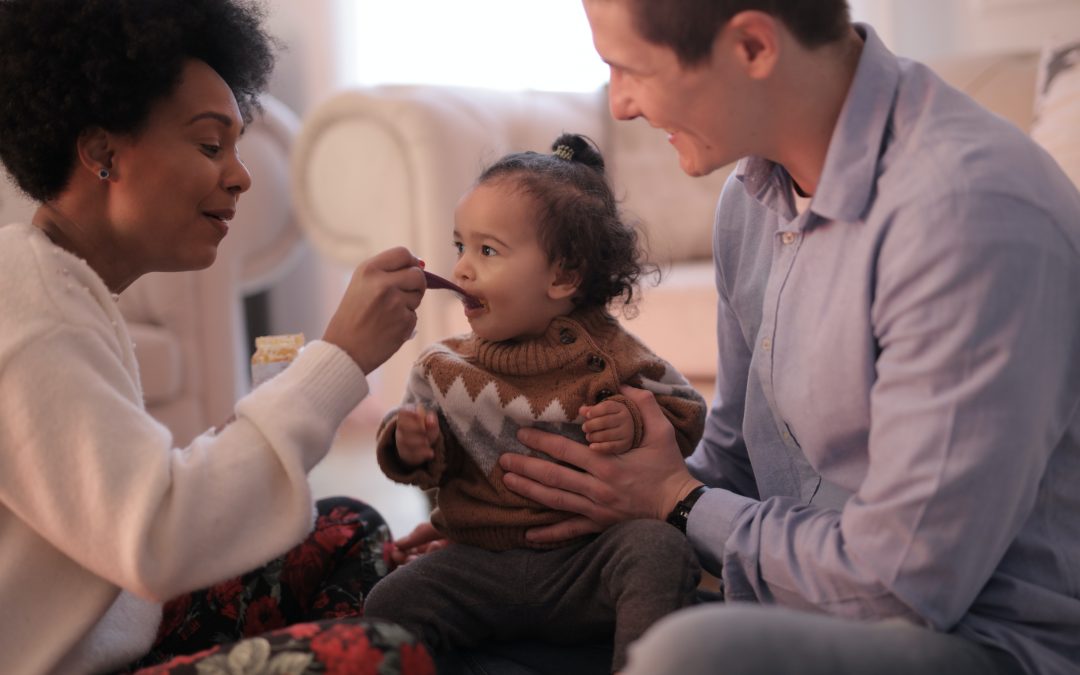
(578, 148)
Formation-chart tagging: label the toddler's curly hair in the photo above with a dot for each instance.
(579, 223)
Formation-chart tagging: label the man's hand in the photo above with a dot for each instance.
(423, 539)
(609, 427)
(645, 482)
(416, 435)
(378, 311)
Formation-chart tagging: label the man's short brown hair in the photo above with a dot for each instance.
(689, 26)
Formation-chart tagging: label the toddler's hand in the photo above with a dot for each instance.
(416, 434)
(608, 427)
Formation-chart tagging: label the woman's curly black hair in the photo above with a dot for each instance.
(579, 222)
(70, 65)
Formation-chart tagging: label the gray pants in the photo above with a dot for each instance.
(620, 582)
(749, 639)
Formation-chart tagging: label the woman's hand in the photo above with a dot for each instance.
(645, 482)
(378, 311)
(423, 539)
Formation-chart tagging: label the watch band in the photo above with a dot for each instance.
(681, 512)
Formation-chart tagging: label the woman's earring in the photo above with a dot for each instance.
(103, 173)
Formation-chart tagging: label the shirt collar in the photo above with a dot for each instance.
(847, 180)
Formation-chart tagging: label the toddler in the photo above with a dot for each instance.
(541, 243)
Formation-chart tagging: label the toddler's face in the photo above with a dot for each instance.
(500, 261)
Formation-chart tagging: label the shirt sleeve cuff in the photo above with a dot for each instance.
(712, 521)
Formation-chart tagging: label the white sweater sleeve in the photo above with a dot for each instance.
(85, 466)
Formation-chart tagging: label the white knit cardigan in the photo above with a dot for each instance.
(101, 518)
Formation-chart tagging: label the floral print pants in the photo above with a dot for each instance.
(298, 614)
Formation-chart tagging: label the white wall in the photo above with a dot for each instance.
(924, 29)
(308, 70)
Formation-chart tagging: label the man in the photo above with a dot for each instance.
(894, 447)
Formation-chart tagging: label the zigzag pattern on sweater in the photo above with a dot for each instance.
(486, 426)
(486, 391)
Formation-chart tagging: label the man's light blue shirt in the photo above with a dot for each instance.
(897, 412)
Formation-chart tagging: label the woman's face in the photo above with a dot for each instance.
(501, 262)
(175, 183)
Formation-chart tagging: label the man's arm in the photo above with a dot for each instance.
(975, 320)
(720, 459)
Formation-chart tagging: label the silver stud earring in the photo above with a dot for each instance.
(103, 173)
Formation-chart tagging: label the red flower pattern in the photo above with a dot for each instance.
(332, 571)
(173, 615)
(345, 650)
(263, 615)
(415, 660)
(226, 596)
(302, 631)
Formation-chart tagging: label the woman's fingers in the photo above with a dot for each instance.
(378, 310)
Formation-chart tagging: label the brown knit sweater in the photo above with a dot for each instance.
(485, 391)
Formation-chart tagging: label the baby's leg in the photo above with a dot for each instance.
(449, 598)
(635, 572)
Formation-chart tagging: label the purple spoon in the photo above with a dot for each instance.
(435, 281)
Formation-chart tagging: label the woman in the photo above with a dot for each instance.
(121, 117)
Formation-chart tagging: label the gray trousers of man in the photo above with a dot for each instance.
(750, 639)
(616, 584)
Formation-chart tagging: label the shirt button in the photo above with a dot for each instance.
(766, 344)
(603, 394)
(786, 435)
(567, 337)
(787, 237)
(595, 363)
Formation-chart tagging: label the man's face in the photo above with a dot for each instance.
(699, 107)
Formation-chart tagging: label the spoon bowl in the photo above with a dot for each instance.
(435, 281)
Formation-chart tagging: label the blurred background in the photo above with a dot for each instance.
(545, 44)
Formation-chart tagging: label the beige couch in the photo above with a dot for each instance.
(189, 330)
(382, 166)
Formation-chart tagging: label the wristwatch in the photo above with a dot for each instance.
(681, 512)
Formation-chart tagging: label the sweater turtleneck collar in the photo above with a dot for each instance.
(566, 339)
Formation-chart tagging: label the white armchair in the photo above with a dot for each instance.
(382, 166)
(188, 327)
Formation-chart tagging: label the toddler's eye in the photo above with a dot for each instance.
(459, 247)
(211, 150)
(488, 251)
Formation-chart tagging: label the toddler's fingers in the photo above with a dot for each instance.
(433, 431)
(408, 417)
(597, 424)
(607, 434)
